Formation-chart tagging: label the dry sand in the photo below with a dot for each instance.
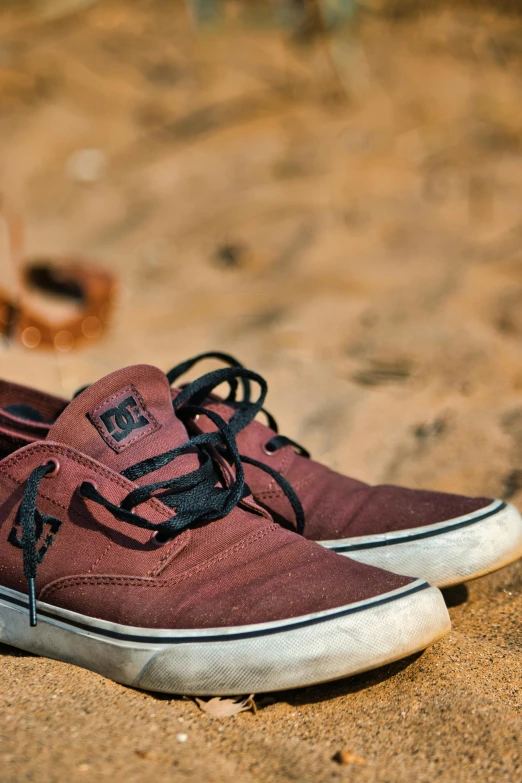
(355, 236)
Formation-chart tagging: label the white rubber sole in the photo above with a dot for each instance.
(446, 553)
(228, 661)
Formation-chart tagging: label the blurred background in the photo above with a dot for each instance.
(329, 190)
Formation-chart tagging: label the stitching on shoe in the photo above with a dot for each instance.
(96, 468)
(285, 463)
(129, 581)
(171, 550)
(249, 504)
(272, 493)
(181, 540)
(100, 557)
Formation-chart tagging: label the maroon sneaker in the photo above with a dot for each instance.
(446, 539)
(134, 551)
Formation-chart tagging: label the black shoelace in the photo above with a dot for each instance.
(200, 495)
(245, 410)
(32, 524)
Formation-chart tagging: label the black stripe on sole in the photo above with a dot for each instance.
(417, 536)
(217, 637)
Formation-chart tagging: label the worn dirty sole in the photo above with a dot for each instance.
(243, 659)
(447, 553)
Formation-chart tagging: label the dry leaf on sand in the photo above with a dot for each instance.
(347, 757)
(225, 708)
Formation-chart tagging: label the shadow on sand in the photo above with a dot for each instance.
(455, 596)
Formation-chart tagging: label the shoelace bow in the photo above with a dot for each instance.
(196, 496)
(245, 411)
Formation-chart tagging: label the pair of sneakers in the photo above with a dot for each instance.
(167, 539)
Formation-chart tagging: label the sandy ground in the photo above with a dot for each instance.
(354, 233)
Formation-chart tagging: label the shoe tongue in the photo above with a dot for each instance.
(123, 419)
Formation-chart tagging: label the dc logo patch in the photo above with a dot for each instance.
(121, 421)
(123, 418)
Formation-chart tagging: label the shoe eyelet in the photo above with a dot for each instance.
(156, 542)
(79, 489)
(56, 468)
(269, 450)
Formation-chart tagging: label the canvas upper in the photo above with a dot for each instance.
(241, 568)
(335, 506)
